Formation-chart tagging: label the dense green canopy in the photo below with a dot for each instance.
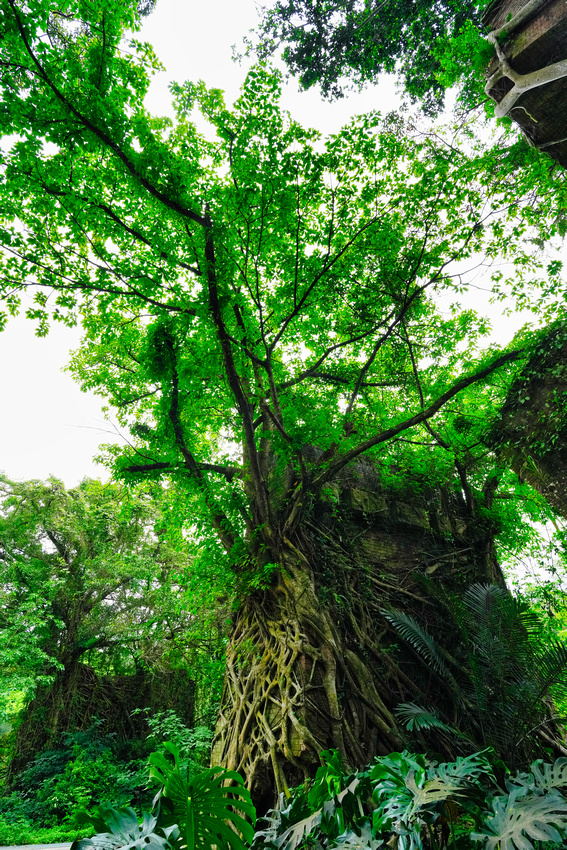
(266, 286)
(84, 576)
(340, 41)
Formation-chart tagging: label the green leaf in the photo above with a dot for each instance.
(520, 818)
(547, 776)
(200, 807)
(350, 840)
(123, 832)
(411, 631)
(416, 718)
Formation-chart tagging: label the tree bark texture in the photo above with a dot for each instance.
(312, 663)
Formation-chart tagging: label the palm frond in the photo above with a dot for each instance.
(484, 599)
(425, 646)
(416, 718)
(552, 668)
(495, 608)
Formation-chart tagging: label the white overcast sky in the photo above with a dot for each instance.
(47, 425)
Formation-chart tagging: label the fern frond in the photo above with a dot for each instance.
(411, 631)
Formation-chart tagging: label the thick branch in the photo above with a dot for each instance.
(100, 134)
(312, 371)
(141, 238)
(220, 520)
(530, 9)
(398, 318)
(244, 406)
(329, 378)
(229, 472)
(436, 436)
(417, 419)
(68, 284)
(522, 82)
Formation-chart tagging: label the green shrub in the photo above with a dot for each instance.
(413, 803)
(24, 832)
(187, 813)
(89, 769)
(92, 768)
(194, 745)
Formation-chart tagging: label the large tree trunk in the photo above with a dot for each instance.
(312, 663)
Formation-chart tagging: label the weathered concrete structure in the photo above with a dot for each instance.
(530, 433)
(528, 74)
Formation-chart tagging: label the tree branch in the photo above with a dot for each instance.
(244, 406)
(140, 237)
(229, 472)
(326, 267)
(418, 418)
(220, 520)
(100, 134)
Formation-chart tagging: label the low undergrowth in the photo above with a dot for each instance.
(89, 769)
(402, 801)
(409, 802)
(24, 832)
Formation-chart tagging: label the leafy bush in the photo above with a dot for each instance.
(90, 768)
(187, 813)
(403, 800)
(194, 745)
(408, 801)
(25, 832)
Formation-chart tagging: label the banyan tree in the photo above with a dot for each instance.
(315, 659)
(262, 312)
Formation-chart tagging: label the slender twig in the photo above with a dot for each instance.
(99, 133)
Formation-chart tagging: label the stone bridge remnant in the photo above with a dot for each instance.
(527, 76)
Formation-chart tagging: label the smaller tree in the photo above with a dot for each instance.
(88, 575)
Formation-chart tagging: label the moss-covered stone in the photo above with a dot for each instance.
(531, 432)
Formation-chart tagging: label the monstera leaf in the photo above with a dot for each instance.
(349, 840)
(294, 834)
(119, 830)
(520, 818)
(433, 791)
(467, 768)
(408, 794)
(201, 807)
(548, 776)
